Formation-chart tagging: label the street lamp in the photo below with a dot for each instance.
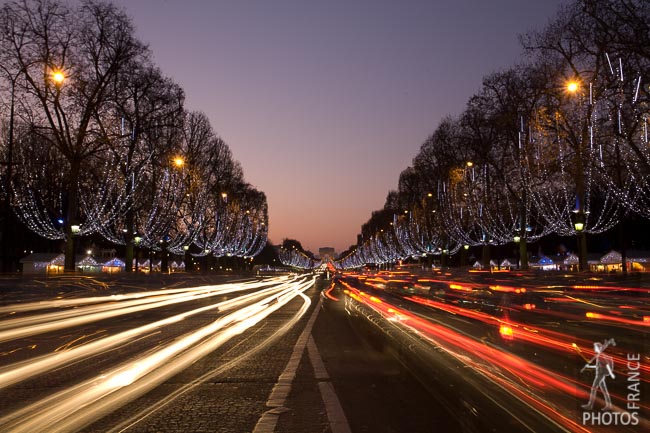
(463, 256)
(579, 223)
(517, 239)
(58, 77)
(136, 242)
(572, 86)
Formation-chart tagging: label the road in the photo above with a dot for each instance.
(105, 362)
(506, 352)
(382, 352)
(263, 354)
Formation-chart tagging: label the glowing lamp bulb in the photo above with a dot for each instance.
(58, 77)
(572, 87)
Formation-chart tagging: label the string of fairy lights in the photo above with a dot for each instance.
(136, 200)
(588, 157)
(295, 258)
(98, 142)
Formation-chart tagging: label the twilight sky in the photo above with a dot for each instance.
(324, 103)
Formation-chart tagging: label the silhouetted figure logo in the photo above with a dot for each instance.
(603, 366)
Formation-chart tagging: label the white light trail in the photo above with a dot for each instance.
(27, 326)
(87, 401)
(125, 424)
(17, 372)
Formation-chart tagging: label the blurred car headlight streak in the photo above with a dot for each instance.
(81, 404)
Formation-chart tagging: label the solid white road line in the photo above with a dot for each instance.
(316, 361)
(279, 394)
(335, 413)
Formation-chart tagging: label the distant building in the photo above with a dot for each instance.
(327, 254)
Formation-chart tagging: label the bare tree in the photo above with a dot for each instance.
(142, 102)
(68, 58)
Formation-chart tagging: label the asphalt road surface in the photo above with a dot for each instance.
(107, 356)
(388, 352)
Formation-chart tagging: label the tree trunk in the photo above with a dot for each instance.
(621, 221)
(582, 248)
(523, 233)
(72, 215)
(621, 236)
(130, 236)
(485, 258)
(164, 259)
(5, 237)
(129, 256)
(523, 254)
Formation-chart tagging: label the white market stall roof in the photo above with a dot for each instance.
(49, 258)
(115, 262)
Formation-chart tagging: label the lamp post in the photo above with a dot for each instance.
(444, 257)
(206, 260)
(579, 226)
(136, 242)
(58, 78)
(463, 256)
(71, 248)
(188, 262)
(580, 213)
(523, 259)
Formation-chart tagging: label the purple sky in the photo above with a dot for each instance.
(324, 103)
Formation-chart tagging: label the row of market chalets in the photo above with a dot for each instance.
(638, 261)
(53, 263)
